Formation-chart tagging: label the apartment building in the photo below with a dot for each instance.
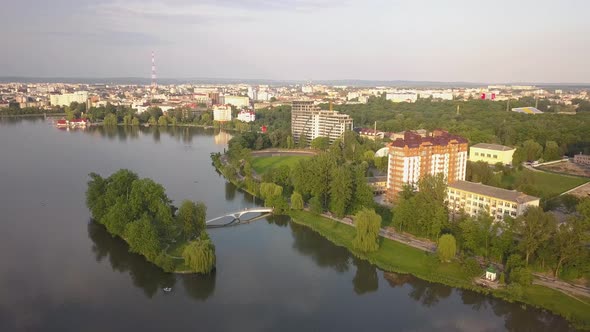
(476, 198)
(237, 101)
(222, 113)
(491, 153)
(308, 121)
(582, 159)
(67, 98)
(414, 156)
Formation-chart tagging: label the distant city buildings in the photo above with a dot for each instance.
(67, 98)
(399, 97)
(308, 122)
(414, 156)
(237, 101)
(222, 113)
(475, 199)
(491, 153)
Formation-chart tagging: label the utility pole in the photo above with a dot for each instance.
(458, 109)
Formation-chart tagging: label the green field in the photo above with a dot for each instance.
(547, 184)
(396, 257)
(263, 164)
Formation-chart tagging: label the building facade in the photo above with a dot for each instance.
(67, 98)
(246, 116)
(414, 156)
(582, 159)
(476, 198)
(237, 101)
(308, 121)
(491, 153)
(222, 113)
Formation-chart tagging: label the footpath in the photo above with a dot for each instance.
(573, 290)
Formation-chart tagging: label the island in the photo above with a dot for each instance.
(139, 212)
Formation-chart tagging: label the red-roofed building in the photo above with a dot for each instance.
(415, 156)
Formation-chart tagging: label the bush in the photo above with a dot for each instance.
(472, 267)
(447, 247)
(315, 205)
(521, 276)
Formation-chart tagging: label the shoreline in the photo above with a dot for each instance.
(428, 269)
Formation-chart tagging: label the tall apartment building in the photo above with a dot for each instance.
(476, 198)
(67, 98)
(308, 121)
(222, 113)
(414, 156)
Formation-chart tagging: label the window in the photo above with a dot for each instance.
(489, 155)
(495, 156)
(477, 154)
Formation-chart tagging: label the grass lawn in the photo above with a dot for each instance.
(396, 257)
(263, 164)
(548, 184)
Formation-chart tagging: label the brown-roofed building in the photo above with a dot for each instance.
(476, 198)
(415, 156)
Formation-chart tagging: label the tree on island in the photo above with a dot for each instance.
(191, 216)
(368, 223)
(200, 254)
(447, 248)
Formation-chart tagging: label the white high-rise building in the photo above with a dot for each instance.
(222, 113)
(399, 97)
(237, 101)
(246, 116)
(308, 122)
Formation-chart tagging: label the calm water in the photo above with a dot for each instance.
(60, 272)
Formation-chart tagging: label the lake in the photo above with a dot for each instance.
(61, 272)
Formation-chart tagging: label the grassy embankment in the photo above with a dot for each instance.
(396, 257)
(548, 184)
(262, 164)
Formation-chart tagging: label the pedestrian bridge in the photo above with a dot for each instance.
(237, 216)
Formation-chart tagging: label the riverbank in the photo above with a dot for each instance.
(394, 256)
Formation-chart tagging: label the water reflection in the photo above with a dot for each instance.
(321, 251)
(365, 280)
(144, 275)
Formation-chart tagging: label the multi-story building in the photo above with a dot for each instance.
(400, 97)
(222, 113)
(476, 198)
(237, 101)
(414, 156)
(582, 159)
(246, 116)
(308, 122)
(67, 98)
(491, 153)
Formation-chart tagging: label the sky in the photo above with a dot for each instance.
(420, 40)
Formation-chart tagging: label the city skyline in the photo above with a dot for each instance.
(458, 41)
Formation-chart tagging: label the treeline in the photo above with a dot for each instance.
(139, 211)
(534, 241)
(480, 121)
(15, 110)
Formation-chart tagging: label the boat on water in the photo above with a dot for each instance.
(167, 289)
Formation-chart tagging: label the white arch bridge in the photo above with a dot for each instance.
(235, 218)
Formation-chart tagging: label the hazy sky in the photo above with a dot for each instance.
(438, 40)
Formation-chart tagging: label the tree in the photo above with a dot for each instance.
(534, 227)
(551, 151)
(570, 241)
(315, 205)
(199, 255)
(532, 150)
(290, 142)
(110, 120)
(296, 201)
(447, 248)
(142, 237)
(135, 122)
(191, 216)
(163, 121)
(521, 276)
(152, 121)
(368, 224)
(320, 143)
(341, 190)
(127, 120)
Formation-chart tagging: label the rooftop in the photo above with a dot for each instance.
(499, 193)
(527, 110)
(496, 147)
(438, 138)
